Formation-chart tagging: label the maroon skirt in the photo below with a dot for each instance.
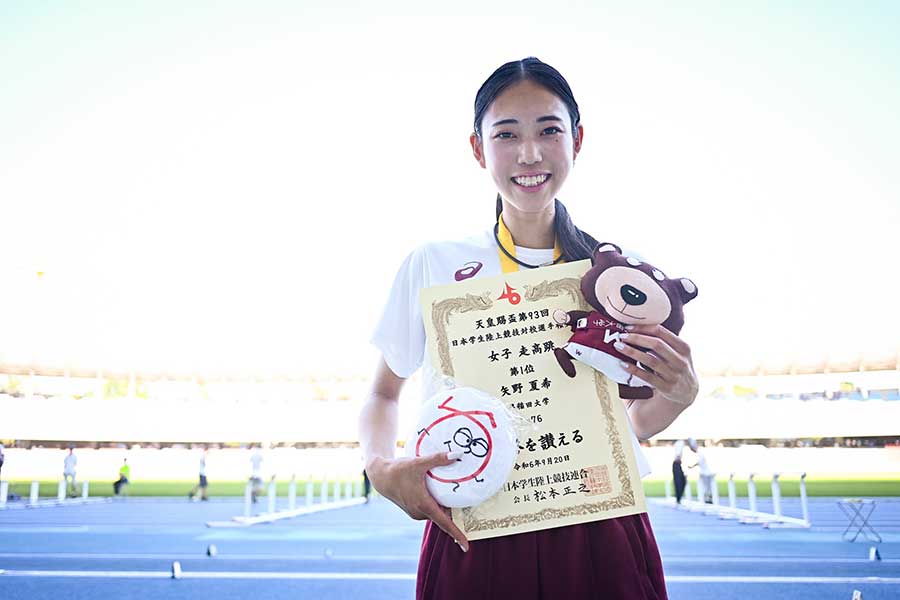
(616, 559)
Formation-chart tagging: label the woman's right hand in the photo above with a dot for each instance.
(402, 481)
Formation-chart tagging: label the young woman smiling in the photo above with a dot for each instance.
(527, 135)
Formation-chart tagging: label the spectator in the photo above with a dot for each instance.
(677, 472)
(202, 484)
(69, 464)
(256, 482)
(706, 474)
(124, 477)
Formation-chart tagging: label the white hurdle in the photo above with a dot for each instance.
(61, 490)
(774, 519)
(85, 490)
(4, 492)
(273, 495)
(248, 499)
(34, 493)
(292, 493)
(332, 480)
(751, 491)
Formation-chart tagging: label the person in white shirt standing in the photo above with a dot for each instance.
(256, 481)
(69, 472)
(706, 474)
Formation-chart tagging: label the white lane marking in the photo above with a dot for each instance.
(750, 579)
(410, 557)
(209, 575)
(412, 576)
(45, 529)
(219, 557)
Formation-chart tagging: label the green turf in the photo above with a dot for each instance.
(848, 486)
(48, 489)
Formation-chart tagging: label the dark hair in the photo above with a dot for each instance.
(574, 243)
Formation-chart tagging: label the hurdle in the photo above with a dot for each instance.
(334, 494)
(35, 501)
(751, 515)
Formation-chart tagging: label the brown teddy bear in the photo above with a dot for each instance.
(622, 290)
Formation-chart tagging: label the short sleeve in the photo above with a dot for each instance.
(400, 334)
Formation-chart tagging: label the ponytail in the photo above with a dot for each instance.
(574, 243)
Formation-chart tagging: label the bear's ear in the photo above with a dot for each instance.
(687, 289)
(604, 247)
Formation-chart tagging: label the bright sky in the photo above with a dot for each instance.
(230, 185)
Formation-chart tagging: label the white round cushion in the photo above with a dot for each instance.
(478, 427)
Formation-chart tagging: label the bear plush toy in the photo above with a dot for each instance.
(622, 290)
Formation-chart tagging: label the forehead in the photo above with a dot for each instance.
(525, 101)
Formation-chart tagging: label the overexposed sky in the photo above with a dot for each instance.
(225, 186)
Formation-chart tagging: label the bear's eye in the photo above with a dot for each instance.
(633, 261)
(688, 286)
(659, 275)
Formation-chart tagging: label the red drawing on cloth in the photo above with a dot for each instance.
(479, 447)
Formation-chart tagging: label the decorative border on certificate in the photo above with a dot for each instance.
(442, 312)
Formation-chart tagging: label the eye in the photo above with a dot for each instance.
(504, 135)
(551, 130)
(633, 261)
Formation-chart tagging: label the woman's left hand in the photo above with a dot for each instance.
(669, 356)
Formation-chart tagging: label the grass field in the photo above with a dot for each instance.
(887, 484)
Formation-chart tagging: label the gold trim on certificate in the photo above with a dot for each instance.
(497, 334)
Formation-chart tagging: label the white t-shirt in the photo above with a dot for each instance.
(69, 464)
(203, 465)
(400, 334)
(256, 462)
(702, 464)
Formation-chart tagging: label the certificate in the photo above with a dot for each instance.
(576, 462)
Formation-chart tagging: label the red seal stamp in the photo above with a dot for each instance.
(596, 479)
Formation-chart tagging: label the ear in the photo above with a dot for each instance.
(604, 247)
(578, 141)
(687, 289)
(477, 149)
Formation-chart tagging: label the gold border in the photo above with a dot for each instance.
(440, 317)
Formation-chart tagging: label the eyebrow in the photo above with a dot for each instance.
(543, 119)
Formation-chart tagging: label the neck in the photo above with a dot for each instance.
(530, 230)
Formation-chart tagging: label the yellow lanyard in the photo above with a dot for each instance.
(508, 265)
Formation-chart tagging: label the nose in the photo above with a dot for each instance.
(632, 296)
(529, 153)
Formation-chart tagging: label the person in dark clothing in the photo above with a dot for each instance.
(677, 472)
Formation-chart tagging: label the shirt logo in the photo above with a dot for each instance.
(469, 270)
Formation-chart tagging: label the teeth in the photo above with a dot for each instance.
(531, 181)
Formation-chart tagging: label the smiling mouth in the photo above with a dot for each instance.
(622, 312)
(531, 180)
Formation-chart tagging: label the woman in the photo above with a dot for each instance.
(527, 135)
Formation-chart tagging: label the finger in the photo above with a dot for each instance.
(675, 342)
(658, 346)
(647, 359)
(440, 459)
(445, 522)
(651, 379)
